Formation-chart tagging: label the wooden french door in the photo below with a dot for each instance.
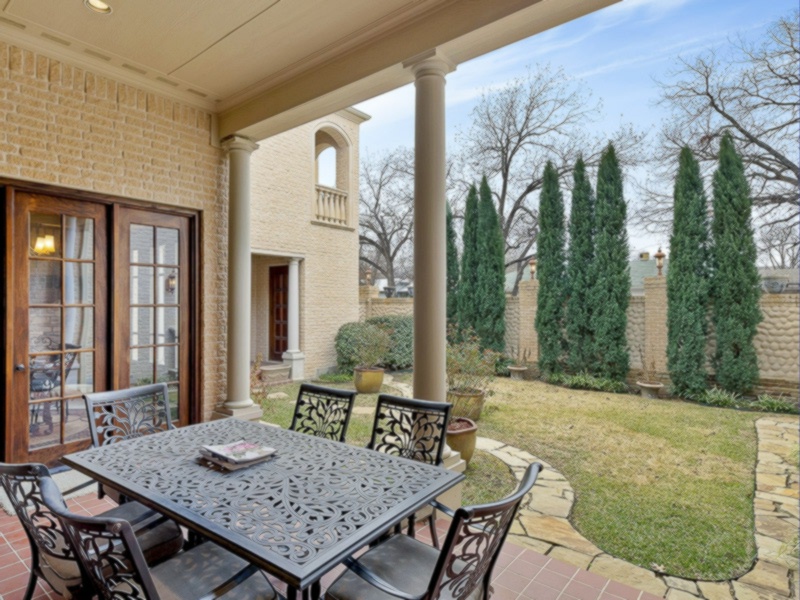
(57, 311)
(279, 311)
(151, 306)
(98, 296)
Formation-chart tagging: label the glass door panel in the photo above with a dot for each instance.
(154, 259)
(59, 339)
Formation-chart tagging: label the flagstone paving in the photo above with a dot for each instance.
(543, 524)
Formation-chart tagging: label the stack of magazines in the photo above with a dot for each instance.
(236, 455)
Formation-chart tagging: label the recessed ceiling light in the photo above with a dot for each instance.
(98, 6)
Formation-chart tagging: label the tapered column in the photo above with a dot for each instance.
(293, 355)
(430, 263)
(239, 150)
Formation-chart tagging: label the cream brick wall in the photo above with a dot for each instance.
(283, 222)
(69, 127)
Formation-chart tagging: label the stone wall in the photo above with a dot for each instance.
(69, 127)
(635, 331)
(776, 342)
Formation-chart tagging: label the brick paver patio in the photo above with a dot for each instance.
(520, 573)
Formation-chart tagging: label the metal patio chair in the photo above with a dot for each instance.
(412, 429)
(121, 415)
(112, 556)
(406, 568)
(53, 556)
(323, 412)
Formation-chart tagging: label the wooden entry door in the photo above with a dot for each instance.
(152, 306)
(279, 311)
(56, 295)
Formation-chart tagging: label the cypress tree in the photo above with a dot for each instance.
(611, 281)
(688, 281)
(580, 254)
(452, 271)
(468, 284)
(550, 270)
(735, 276)
(491, 294)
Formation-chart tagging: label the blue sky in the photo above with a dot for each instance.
(617, 52)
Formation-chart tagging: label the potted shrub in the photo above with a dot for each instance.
(470, 370)
(369, 349)
(520, 365)
(649, 385)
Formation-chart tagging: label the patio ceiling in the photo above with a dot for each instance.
(267, 65)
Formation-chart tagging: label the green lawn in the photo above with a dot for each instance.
(657, 482)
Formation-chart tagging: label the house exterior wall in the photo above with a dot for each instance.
(69, 127)
(283, 210)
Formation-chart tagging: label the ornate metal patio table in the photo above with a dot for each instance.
(297, 515)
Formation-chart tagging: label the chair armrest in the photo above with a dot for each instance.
(231, 583)
(445, 509)
(384, 586)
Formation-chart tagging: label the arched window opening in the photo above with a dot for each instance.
(326, 168)
(332, 176)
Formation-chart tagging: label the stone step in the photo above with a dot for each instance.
(275, 374)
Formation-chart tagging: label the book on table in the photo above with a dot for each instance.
(236, 454)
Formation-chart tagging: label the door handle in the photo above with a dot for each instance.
(19, 368)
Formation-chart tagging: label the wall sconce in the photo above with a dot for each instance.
(171, 283)
(659, 260)
(532, 266)
(45, 245)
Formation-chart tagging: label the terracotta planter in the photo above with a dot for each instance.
(467, 403)
(650, 390)
(463, 438)
(368, 381)
(517, 372)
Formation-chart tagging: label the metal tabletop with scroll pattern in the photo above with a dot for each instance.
(296, 515)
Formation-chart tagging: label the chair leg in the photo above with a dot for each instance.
(432, 523)
(31, 586)
(412, 526)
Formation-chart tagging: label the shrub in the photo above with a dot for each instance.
(585, 381)
(719, 397)
(335, 377)
(468, 367)
(400, 330)
(360, 345)
(776, 404)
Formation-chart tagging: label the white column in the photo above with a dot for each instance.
(238, 402)
(430, 263)
(293, 356)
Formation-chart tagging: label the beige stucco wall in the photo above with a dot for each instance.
(69, 127)
(283, 192)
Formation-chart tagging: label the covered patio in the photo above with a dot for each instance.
(520, 573)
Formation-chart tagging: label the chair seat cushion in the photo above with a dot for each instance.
(198, 571)
(402, 562)
(158, 543)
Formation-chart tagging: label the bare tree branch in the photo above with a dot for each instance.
(751, 91)
(515, 130)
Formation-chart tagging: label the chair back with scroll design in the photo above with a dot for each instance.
(473, 543)
(107, 549)
(409, 428)
(126, 414)
(52, 554)
(323, 412)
